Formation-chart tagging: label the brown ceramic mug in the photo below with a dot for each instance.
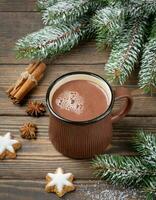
(85, 139)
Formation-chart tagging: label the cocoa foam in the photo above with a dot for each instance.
(71, 101)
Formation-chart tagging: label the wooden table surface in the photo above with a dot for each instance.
(24, 177)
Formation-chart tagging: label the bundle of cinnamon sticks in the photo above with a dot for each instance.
(26, 82)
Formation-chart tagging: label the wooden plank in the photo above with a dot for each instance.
(15, 25)
(18, 5)
(37, 157)
(9, 74)
(143, 105)
(85, 190)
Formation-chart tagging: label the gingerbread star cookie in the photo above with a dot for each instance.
(59, 182)
(8, 146)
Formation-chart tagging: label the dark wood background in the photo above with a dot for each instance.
(24, 177)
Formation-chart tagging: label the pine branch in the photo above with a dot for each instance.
(140, 8)
(52, 40)
(133, 171)
(65, 11)
(112, 2)
(149, 187)
(125, 51)
(44, 4)
(109, 23)
(120, 25)
(150, 196)
(128, 171)
(145, 144)
(147, 75)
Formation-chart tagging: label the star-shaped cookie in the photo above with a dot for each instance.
(59, 182)
(8, 146)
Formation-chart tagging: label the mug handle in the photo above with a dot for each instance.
(122, 93)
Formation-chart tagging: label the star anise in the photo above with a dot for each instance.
(35, 108)
(29, 131)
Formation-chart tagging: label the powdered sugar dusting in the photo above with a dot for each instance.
(101, 191)
(98, 190)
(71, 101)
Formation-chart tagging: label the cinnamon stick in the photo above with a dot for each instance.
(13, 90)
(27, 81)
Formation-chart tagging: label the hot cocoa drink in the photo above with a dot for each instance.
(80, 100)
